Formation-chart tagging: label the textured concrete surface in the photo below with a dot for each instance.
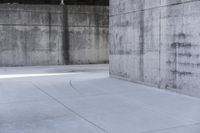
(156, 42)
(83, 99)
(50, 35)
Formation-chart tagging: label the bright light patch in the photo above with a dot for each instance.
(32, 75)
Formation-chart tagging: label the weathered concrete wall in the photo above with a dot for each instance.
(51, 35)
(157, 43)
(88, 34)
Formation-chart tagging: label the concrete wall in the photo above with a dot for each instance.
(157, 43)
(51, 35)
(88, 34)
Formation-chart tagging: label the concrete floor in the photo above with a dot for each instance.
(83, 99)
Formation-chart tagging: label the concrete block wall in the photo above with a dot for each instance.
(156, 43)
(52, 35)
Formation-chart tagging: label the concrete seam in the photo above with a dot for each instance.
(56, 13)
(163, 129)
(47, 25)
(72, 86)
(151, 8)
(71, 110)
(160, 43)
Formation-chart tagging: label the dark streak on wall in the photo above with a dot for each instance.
(49, 14)
(156, 43)
(53, 35)
(97, 32)
(141, 23)
(65, 38)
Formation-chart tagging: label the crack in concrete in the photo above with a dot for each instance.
(151, 8)
(69, 109)
(175, 127)
(74, 88)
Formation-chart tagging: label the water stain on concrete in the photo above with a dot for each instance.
(141, 41)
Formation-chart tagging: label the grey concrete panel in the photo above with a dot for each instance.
(46, 34)
(157, 44)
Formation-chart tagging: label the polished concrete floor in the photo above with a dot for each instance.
(83, 99)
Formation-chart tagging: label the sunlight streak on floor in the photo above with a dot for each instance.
(33, 75)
